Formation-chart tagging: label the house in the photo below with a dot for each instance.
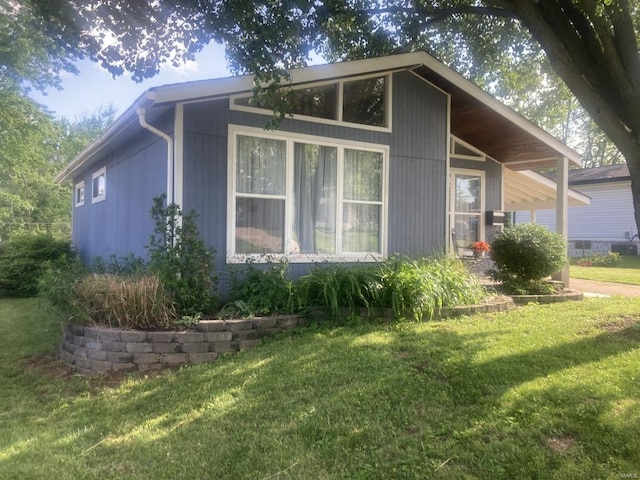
(397, 154)
(608, 223)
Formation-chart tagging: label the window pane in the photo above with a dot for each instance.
(364, 102)
(467, 230)
(361, 228)
(99, 185)
(320, 102)
(80, 194)
(315, 179)
(467, 193)
(362, 175)
(259, 225)
(261, 166)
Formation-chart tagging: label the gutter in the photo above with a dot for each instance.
(170, 160)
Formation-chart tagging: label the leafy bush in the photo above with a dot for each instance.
(179, 256)
(260, 291)
(57, 284)
(23, 260)
(524, 255)
(124, 302)
(608, 260)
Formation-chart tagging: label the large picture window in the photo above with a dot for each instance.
(305, 197)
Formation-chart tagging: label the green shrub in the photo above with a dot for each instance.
(608, 260)
(57, 283)
(179, 256)
(260, 291)
(124, 302)
(23, 260)
(524, 255)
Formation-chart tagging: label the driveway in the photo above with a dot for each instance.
(604, 288)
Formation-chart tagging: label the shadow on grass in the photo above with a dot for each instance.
(361, 402)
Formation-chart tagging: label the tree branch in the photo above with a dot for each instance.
(440, 14)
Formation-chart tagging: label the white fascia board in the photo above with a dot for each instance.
(123, 122)
(573, 194)
(233, 85)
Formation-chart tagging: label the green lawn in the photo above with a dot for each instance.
(628, 271)
(548, 392)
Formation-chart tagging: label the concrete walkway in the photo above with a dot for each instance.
(604, 288)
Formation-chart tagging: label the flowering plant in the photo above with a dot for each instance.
(481, 247)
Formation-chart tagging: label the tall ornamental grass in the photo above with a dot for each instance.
(123, 302)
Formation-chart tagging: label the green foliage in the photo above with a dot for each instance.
(334, 287)
(57, 283)
(24, 259)
(415, 288)
(260, 291)
(411, 288)
(188, 321)
(610, 259)
(124, 302)
(524, 255)
(127, 265)
(179, 256)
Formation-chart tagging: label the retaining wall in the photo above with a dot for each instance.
(93, 349)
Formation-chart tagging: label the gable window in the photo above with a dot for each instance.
(79, 194)
(467, 206)
(305, 197)
(362, 102)
(99, 185)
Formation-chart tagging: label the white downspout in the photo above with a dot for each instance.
(170, 163)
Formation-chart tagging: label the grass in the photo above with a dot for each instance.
(628, 271)
(549, 392)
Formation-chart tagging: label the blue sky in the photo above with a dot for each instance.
(93, 87)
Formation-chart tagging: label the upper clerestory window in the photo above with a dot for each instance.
(363, 102)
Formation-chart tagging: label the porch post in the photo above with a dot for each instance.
(562, 210)
(532, 216)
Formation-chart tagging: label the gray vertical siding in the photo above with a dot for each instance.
(417, 165)
(120, 225)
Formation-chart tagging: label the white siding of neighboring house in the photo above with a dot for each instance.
(608, 219)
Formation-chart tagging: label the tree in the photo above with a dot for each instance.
(34, 147)
(592, 45)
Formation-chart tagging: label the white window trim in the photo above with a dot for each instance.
(452, 201)
(96, 174)
(290, 138)
(388, 104)
(79, 186)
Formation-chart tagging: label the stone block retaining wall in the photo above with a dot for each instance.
(93, 349)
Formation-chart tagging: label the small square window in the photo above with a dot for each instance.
(99, 186)
(79, 194)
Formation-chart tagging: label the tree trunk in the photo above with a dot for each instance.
(598, 58)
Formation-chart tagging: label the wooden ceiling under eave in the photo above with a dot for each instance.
(486, 129)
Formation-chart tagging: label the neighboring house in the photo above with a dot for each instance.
(381, 156)
(608, 223)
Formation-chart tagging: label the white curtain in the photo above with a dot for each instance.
(260, 174)
(315, 179)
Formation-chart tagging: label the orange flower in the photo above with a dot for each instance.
(481, 247)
